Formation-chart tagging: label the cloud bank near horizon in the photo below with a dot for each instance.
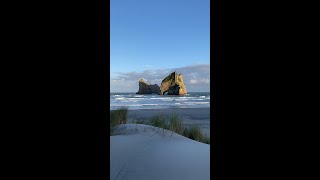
(196, 78)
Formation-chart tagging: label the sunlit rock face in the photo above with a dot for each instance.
(173, 85)
(145, 88)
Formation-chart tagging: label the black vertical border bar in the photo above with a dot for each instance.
(216, 89)
(104, 77)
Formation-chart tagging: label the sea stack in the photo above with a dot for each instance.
(145, 88)
(173, 85)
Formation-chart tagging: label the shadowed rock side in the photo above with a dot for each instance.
(173, 85)
(144, 88)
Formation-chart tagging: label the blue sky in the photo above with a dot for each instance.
(157, 35)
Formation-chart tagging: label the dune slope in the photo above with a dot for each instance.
(140, 151)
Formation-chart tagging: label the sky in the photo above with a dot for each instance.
(151, 38)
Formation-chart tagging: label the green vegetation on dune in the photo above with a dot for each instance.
(176, 125)
(195, 133)
(117, 117)
(172, 123)
(158, 121)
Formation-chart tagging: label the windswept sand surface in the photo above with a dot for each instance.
(142, 152)
(189, 116)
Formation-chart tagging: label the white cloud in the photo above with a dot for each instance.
(193, 81)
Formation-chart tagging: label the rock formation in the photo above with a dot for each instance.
(145, 88)
(173, 85)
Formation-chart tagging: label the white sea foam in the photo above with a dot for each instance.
(134, 98)
(167, 99)
(181, 99)
(199, 102)
(134, 101)
(120, 98)
(127, 105)
(161, 98)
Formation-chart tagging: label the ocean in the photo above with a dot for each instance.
(134, 101)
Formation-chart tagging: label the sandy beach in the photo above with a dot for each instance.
(189, 116)
(140, 151)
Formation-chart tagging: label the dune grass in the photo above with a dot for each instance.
(117, 117)
(137, 121)
(195, 133)
(172, 123)
(175, 124)
(158, 121)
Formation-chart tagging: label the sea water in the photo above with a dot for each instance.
(134, 101)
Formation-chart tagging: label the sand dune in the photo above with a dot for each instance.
(140, 151)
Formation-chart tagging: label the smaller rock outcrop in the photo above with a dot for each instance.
(145, 88)
(173, 85)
